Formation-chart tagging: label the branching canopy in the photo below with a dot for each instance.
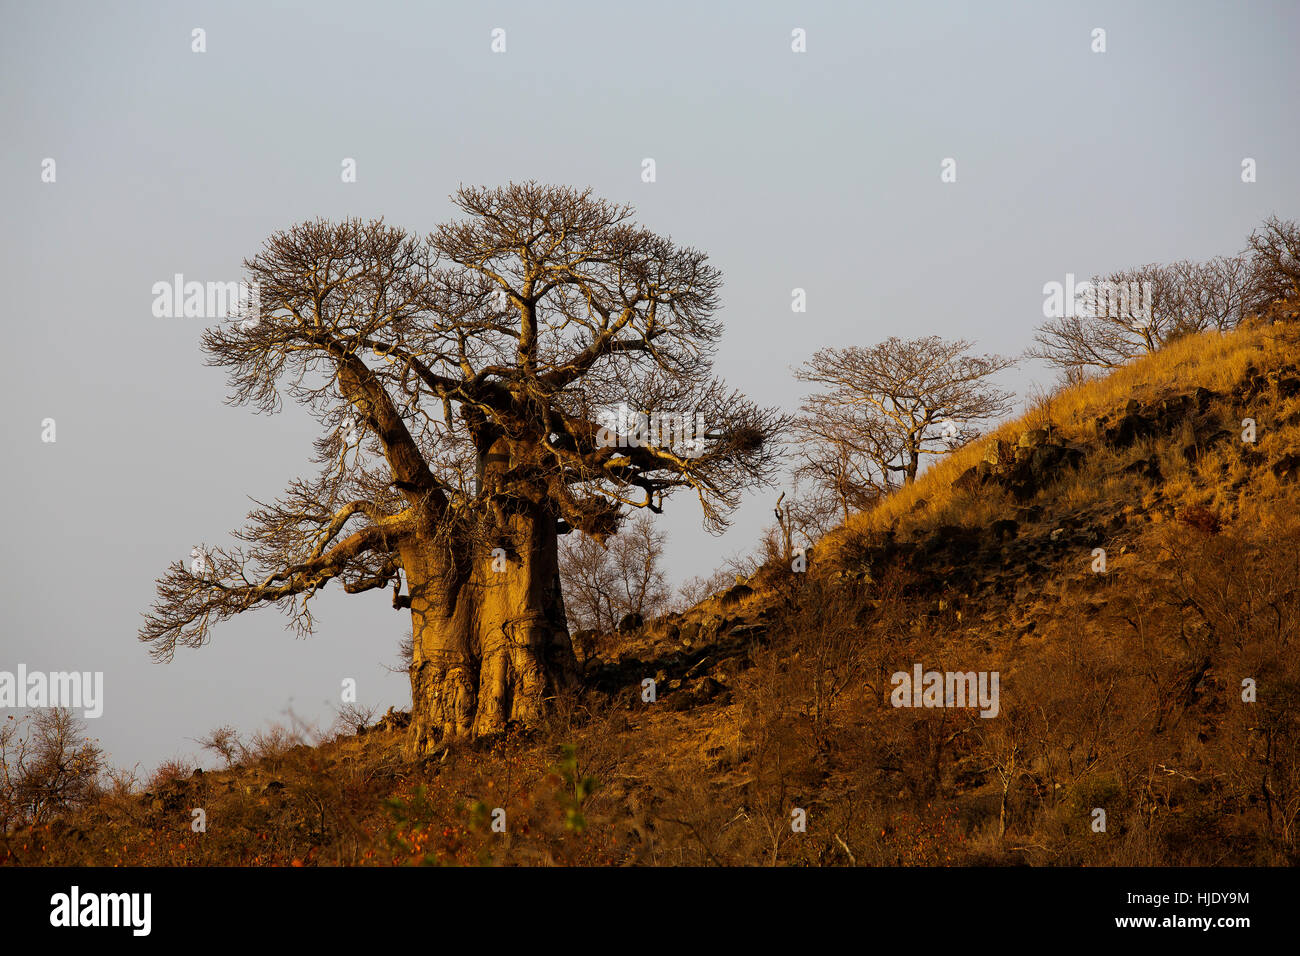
(889, 404)
(459, 379)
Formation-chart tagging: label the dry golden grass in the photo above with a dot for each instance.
(1211, 360)
(1095, 679)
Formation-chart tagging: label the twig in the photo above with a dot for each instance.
(845, 847)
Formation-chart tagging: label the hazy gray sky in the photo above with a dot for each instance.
(818, 170)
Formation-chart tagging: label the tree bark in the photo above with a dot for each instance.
(490, 640)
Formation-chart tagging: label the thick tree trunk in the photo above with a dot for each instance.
(490, 640)
(912, 459)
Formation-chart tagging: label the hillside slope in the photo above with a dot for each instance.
(1124, 557)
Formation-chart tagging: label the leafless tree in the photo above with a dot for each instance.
(844, 452)
(1138, 311)
(811, 512)
(638, 553)
(225, 742)
(911, 397)
(589, 584)
(48, 766)
(461, 381)
(1274, 250)
(699, 588)
(603, 583)
(1214, 294)
(801, 518)
(1116, 318)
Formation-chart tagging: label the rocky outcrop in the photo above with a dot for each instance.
(1285, 381)
(1040, 457)
(1162, 417)
(734, 595)
(1037, 459)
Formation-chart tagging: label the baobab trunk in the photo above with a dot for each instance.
(490, 641)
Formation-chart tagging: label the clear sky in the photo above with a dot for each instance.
(818, 170)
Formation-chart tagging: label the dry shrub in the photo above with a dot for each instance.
(174, 770)
(1202, 519)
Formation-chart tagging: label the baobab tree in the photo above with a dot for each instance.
(461, 381)
(887, 405)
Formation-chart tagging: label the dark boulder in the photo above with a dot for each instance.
(1287, 468)
(1004, 528)
(1148, 468)
(952, 539)
(1128, 430)
(735, 595)
(975, 477)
